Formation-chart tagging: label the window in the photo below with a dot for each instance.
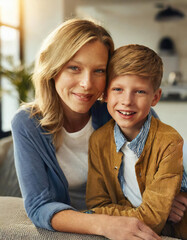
(10, 45)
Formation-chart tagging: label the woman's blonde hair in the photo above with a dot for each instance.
(58, 48)
(134, 59)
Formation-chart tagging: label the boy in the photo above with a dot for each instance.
(134, 155)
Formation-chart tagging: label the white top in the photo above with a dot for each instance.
(73, 159)
(131, 189)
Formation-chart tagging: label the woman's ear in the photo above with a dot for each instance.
(103, 97)
(157, 96)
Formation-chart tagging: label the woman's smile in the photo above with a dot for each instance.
(83, 97)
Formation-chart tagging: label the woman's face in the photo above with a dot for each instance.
(82, 80)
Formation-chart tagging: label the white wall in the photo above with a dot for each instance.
(174, 114)
(40, 18)
(133, 22)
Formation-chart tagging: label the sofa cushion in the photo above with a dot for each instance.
(8, 179)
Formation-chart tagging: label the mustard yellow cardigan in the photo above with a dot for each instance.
(158, 171)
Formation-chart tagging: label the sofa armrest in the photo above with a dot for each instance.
(14, 224)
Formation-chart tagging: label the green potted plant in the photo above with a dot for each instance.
(19, 76)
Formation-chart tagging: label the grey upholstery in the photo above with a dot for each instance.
(8, 179)
(14, 224)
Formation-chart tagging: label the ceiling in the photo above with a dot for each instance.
(135, 7)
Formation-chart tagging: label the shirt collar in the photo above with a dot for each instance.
(137, 144)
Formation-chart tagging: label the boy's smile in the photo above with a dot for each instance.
(129, 99)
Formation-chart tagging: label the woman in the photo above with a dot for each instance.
(51, 134)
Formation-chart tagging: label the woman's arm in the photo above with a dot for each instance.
(42, 183)
(118, 228)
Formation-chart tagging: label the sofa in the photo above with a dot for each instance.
(14, 223)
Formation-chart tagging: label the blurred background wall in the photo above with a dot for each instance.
(128, 21)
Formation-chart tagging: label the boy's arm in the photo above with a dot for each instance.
(156, 199)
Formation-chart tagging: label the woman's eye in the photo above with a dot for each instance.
(117, 89)
(74, 68)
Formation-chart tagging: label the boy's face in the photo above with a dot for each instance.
(129, 99)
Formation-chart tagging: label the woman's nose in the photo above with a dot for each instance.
(86, 81)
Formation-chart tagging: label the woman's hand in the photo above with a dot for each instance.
(178, 208)
(128, 228)
(112, 227)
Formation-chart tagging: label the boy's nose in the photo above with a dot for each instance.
(126, 99)
(86, 82)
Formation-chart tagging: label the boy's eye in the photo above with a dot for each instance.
(100, 70)
(140, 91)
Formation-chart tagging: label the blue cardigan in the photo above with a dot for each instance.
(43, 184)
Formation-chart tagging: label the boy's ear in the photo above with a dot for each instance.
(157, 96)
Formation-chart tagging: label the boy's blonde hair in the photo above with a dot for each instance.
(134, 59)
(59, 47)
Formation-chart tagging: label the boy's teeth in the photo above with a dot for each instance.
(126, 113)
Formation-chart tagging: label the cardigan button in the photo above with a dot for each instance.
(115, 167)
(140, 174)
